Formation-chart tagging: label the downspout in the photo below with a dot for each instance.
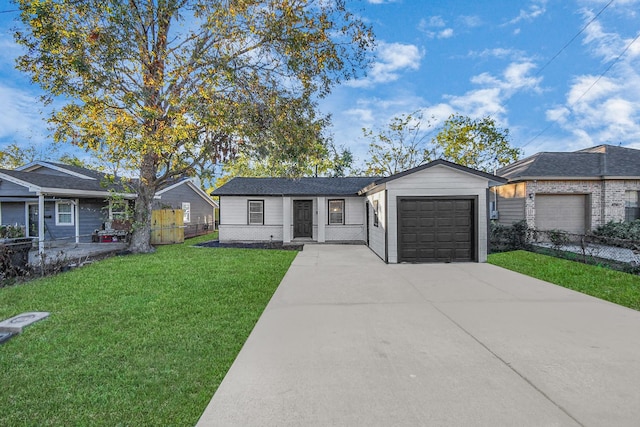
(386, 227)
(76, 215)
(41, 224)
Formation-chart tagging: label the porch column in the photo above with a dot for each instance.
(322, 219)
(286, 219)
(41, 224)
(76, 215)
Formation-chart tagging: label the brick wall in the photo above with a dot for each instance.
(607, 197)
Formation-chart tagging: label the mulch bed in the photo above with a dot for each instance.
(262, 245)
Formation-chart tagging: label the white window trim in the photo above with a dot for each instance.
(376, 213)
(342, 201)
(71, 213)
(249, 202)
(186, 212)
(125, 205)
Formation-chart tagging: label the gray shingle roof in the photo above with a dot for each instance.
(322, 186)
(599, 161)
(64, 182)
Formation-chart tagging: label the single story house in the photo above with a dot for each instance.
(572, 191)
(437, 212)
(56, 202)
(198, 208)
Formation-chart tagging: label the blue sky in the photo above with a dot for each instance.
(512, 60)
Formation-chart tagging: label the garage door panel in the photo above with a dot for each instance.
(566, 212)
(435, 230)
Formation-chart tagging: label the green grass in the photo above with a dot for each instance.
(615, 286)
(134, 340)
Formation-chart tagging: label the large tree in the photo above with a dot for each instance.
(476, 143)
(173, 84)
(399, 146)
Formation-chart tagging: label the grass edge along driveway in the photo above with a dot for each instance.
(610, 285)
(133, 340)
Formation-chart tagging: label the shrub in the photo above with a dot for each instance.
(620, 230)
(558, 238)
(11, 231)
(509, 237)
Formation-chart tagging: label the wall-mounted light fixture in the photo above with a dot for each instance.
(530, 196)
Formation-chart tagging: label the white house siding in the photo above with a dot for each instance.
(377, 234)
(352, 230)
(443, 181)
(234, 220)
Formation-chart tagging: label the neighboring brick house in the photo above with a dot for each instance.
(576, 191)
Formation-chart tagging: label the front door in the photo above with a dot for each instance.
(302, 218)
(32, 227)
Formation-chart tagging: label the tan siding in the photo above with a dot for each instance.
(510, 210)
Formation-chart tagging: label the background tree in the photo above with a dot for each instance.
(13, 156)
(476, 143)
(172, 85)
(399, 146)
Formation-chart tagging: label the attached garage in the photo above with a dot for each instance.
(436, 230)
(436, 212)
(566, 212)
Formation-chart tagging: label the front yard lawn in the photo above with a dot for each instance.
(620, 288)
(133, 340)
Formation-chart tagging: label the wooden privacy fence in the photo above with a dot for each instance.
(167, 226)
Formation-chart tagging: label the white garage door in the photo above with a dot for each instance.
(566, 212)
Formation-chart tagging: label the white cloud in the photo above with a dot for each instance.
(434, 27)
(445, 34)
(470, 21)
(392, 59)
(534, 11)
(21, 119)
(604, 108)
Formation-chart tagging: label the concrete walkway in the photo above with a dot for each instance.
(349, 341)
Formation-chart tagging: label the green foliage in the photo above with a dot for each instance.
(171, 87)
(558, 238)
(138, 340)
(509, 237)
(615, 286)
(324, 161)
(14, 155)
(11, 231)
(476, 143)
(398, 147)
(620, 230)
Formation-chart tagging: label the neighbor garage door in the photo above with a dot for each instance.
(435, 230)
(566, 212)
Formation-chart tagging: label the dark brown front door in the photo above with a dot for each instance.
(302, 218)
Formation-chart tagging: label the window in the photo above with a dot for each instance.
(375, 213)
(631, 206)
(118, 209)
(336, 212)
(64, 213)
(256, 212)
(186, 212)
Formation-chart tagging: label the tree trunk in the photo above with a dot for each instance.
(141, 236)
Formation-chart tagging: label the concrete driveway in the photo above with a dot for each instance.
(348, 340)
